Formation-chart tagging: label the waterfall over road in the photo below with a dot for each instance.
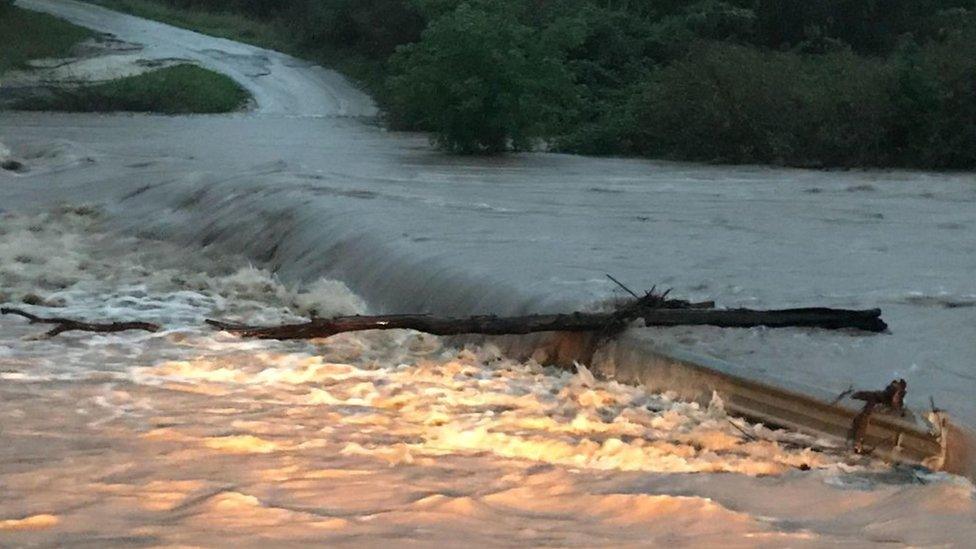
(305, 206)
(307, 186)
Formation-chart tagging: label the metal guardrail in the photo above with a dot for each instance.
(935, 444)
(632, 360)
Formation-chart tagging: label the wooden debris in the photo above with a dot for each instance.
(892, 398)
(653, 300)
(868, 320)
(66, 324)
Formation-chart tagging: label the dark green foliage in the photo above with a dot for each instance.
(933, 116)
(483, 81)
(727, 89)
(371, 27)
(798, 82)
(738, 104)
(886, 83)
(181, 89)
(868, 26)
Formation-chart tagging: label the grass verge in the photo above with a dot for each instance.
(180, 89)
(26, 35)
(219, 24)
(369, 74)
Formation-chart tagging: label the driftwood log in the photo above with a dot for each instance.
(62, 325)
(867, 320)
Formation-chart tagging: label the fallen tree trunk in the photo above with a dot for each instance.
(66, 324)
(832, 319)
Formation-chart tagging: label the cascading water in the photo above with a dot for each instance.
(187, 435)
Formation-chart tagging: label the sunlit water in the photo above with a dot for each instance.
(192, 437)
(189, 437)
(301, 186)
(413, 231)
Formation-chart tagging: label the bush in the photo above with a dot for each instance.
(371, 27)
(933, 120)
(733, 103)
(721, 103)
(482, 81)
(739, 104)
(872, 27)
(801, 82)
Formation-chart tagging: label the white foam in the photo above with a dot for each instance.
(364, 433)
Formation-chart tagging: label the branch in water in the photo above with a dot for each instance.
(831, 319)
(66, 324)
(891, 398)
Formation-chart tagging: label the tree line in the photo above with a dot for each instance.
(792, 82)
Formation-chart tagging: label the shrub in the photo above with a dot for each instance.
(802, 82)
(933, 121)
(482, 81)
(371, 27)
(738, 104)
(721, 103)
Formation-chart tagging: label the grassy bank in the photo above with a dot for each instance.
(221, 24)
(181, 89)
(26, 35)
(270, 32)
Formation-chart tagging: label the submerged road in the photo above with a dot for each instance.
(280, 83)
(307, 186)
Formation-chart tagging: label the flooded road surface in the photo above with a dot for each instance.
(412, 231)
(279, 83)
(188, 437)
(191, 437)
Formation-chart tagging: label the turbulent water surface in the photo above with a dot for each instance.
(193, 437)
(189, 437)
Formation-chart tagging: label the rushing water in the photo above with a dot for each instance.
(194, 437)
(412, 231)
(188, 437)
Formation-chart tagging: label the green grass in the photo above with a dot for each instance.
(271, 34)
(180, 89)
(26, 35)
(220, 24)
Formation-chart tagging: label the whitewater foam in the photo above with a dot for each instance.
(190, 436)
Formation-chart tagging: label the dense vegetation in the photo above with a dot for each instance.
(180, 89)
(28, 35)
(798, 82)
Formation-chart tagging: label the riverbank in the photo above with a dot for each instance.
(52, 65)
(179, 89)
(733, 83)
(31, 35)
(369, 74)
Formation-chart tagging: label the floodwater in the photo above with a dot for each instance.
(196, 438)
(190, 437)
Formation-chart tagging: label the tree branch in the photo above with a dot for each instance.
(66, 324)
(867, 320)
